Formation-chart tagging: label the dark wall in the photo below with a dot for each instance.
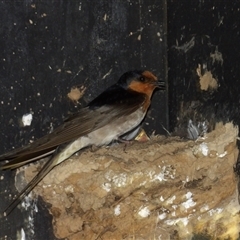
(48, 47)
(204, 33)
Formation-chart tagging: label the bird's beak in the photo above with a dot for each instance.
(161, 85)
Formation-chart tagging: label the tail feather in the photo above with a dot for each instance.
(24, 159)
(41, 174)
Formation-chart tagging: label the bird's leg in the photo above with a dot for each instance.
(129, 137)
(126, 143)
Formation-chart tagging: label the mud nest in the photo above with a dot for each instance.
(166, 188)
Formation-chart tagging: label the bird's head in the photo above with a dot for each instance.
(140, 81)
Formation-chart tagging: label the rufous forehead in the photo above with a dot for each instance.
(148, 74)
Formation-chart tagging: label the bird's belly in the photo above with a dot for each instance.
(113, 130)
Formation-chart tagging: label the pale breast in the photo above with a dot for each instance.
(114, 130)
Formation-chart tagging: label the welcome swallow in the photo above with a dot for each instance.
(117, 111)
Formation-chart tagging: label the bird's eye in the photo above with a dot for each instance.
(142, 79)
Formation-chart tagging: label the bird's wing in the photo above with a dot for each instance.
(107, 107)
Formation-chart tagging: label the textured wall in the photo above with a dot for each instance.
(203, 47)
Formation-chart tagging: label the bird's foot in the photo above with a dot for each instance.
(126, 143)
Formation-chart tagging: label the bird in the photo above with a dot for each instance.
(117, 111)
